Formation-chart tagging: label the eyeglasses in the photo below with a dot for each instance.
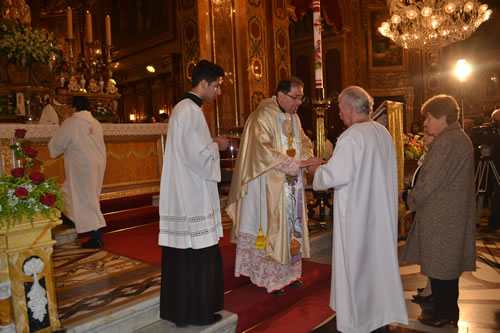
(297, 98)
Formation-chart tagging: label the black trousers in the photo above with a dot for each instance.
(192, 287)
(446, 298)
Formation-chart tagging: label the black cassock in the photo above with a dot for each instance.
(192, 285)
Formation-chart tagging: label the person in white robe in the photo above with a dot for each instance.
(266, 201)
(190, 217)
(366, 290)
(80, 139)
(55, 113)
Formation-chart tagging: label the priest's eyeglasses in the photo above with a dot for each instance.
(297, 98)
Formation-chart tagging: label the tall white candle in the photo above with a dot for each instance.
(69, 22)
(318, 62)
(108, 30)
(88, 21)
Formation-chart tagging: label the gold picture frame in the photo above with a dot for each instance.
(383, 54)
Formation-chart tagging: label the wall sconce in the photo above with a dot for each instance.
(161, 111)
(132, 117)
(150, 69)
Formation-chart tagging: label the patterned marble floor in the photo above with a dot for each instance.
(93, 283)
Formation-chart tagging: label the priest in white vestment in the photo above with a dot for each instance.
(366, 291)
(190, 219)
(55, 113)
(81, 140)
(266, 200)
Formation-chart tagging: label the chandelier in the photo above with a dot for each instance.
(432, 24)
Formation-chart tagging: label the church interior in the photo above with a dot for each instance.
(133, 61)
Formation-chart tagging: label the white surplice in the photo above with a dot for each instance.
(189, 199)
(81, 140)
(366, 288)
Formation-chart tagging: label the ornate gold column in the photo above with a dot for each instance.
(27, 289)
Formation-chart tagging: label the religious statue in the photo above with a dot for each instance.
(111, 88)
(73, 84)
(93, 87)
(16, 10)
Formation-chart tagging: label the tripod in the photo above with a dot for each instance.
(482, 176)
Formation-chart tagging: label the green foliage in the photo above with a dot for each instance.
(26, 192)
(25, 45)
(414, 146)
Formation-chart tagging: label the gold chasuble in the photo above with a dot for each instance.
(270, 138)
(63, 112)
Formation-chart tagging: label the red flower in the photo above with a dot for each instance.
(48, 199)
(21, 193)
(85, 70)
(20, 133)
(37, 178)
(30, 152)
(17, 172)
(64, 68)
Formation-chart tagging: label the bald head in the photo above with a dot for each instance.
(495, 116)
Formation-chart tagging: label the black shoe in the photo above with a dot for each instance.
(439, 322)
(296, 284)
(420, 299)
(279, 292)
(67, 221)
(93, 244)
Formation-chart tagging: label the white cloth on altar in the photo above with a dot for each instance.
(49, 115)
(81, 140)
(189, 200)
(366, 288)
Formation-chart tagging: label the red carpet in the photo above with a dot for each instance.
(252, 304)
(141, 243)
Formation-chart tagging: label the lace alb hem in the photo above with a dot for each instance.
(263, 273)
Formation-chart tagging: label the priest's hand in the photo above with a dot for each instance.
(312, 169)
(222, 142)
(311, 161)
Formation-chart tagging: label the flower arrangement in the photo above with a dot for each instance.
(414, 146)
(103, 110)
(25, 45)
(101, 68)
(60, 63)
(26, 192)
(81, 65)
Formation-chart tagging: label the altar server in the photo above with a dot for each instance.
(366, 288)
(81, 140)
(190, 219)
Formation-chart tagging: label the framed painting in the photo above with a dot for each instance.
(138, 25)
(383, 54)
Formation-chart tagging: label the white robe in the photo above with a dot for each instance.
(49, 115)
(189, 199)
(366, 288)
(81, 140)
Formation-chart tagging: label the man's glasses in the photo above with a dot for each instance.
(297, 98)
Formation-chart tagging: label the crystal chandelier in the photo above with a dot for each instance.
(432, 24)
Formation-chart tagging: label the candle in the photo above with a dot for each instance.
(108, 30)
(88, 20)
(318, 61)
(69, 22)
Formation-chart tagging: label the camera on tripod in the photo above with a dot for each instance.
(486, 134)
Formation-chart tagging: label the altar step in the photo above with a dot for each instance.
(143, 316)
(119, 213)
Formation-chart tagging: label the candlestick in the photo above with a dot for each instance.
(69, 22)
(108, 30)
(88, 21)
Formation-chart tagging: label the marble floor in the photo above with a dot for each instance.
(93, 284)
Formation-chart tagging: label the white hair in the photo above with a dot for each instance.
(358, 98)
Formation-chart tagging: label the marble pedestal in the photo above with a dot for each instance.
(27, 290)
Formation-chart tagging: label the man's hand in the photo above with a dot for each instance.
(222, 141)
(311, 161)
(312, 169)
